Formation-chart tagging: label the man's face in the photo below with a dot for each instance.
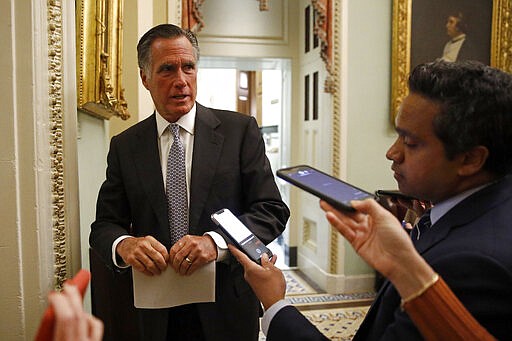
(172, 78)
(420, 166)
(451, 27)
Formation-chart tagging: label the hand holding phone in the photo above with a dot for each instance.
(334, 191)
(240, 235)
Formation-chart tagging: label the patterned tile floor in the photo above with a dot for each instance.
(337, 316)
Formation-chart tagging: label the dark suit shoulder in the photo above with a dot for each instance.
(146, 126)
(216, 116)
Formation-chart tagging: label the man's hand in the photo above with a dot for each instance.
(266, 280)
(144, 254)
(192, 252)
(374, 233)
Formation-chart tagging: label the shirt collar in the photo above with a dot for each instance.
(441, 208)
(187, 122)
(459, 37)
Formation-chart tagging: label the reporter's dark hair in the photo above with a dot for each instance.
(476, 108)
(162, 31)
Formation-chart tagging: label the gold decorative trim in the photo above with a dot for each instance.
(308, 235)
(336, 122)
(99, 40)
(501, 48)
(400, 53)
(502, 35)
(56, 140)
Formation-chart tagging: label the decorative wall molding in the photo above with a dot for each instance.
(219, 31)
(56, 139)
(309, 234)
(336, 121)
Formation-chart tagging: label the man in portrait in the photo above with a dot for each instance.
(461, 46)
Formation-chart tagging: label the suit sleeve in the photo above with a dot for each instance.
(265, 212)
(290, 324)
(112, 209)
(482, 285)
(438, 306)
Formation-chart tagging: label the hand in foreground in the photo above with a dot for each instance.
(192, 252)
(144, 254)
(376, 235)
(266, 280)
(71, 321)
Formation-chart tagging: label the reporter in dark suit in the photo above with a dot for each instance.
(226, 167)
(454, 150)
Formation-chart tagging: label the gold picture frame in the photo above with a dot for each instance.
(500, 54)
(99, 58)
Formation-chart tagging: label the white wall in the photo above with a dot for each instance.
(367, 82)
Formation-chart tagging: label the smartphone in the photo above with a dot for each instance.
(240, 235)
(395, 194)
(334, 191)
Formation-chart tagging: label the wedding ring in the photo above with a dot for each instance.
(188, 260)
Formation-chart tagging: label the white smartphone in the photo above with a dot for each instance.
(240, 235)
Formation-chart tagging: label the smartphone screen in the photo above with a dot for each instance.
(336, 192)
(232, 225)
(240, 235)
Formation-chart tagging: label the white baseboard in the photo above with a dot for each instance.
(336, 283)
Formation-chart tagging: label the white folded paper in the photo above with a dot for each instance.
(170, 289)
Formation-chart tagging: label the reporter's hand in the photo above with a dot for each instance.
(144, 254)
(376, 235)
(72, 323)
(192, 252)
(267, 281)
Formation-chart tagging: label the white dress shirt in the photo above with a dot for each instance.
(452, 48)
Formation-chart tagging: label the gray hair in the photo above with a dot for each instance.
(168, 31)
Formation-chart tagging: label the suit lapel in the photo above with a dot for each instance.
(465, 212)
(148, 167)
(207, 150)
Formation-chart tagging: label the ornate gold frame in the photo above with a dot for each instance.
(99, 40)
(401, 44)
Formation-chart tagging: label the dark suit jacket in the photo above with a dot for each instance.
(470, 50)
(290, 324)
(229, 170)
(470, 247)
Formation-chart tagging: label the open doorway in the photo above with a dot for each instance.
(260, 88)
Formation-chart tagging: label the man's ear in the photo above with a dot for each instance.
(143, 77)
(473, 160)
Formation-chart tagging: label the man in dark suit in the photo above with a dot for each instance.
(454, 151)
(225, 166)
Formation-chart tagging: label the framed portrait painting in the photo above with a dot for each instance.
(451, 30)
(99, 43)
